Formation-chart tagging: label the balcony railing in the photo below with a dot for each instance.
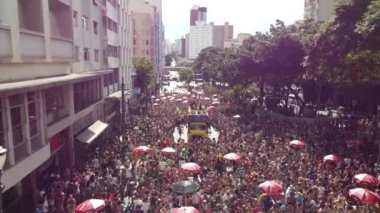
(36, 143)
(21, 152)
(61, 48)
(5, 44)
(32, 44)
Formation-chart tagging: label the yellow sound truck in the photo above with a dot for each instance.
(198, 123)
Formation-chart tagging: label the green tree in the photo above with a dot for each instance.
(187, 75)
(144, 73)
(274, 58)
(207, 63)
(346, 49)
(168, 59)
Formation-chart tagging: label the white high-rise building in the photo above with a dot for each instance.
(318, 10)
(201, 36)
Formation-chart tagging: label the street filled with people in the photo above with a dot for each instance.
(274, 164)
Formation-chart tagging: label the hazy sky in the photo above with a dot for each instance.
(247, 16)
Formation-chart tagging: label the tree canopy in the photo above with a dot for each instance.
(144, 72)
(342, 51)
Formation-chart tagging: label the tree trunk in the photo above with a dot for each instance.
(262, 84)
(319, 93)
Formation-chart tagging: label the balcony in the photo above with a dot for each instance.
(61, 48)
(32, 44)
(5, 45)
(113, 62)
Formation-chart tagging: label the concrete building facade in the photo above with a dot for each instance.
(318, 10)
(238, 41)
(61, 63)
(222, 33)
(148, 42)
(201, 36)
(198, 13)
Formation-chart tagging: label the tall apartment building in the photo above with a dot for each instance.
(318, 10)
(238, 41)
(222, 33)
(59, 87)
(180, 47)
(148, 42)
(198, 14)
(125, 41)
(201, 36)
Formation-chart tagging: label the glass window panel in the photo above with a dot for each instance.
(1, 130)
(32, 110)
(32, 96)
(16, 116)
(33, 125)
(17, 134)
(15, 100)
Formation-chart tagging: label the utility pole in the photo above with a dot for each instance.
(122, 119)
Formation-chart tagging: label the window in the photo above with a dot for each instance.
(147, 42)
(85, 94)
(84, 23)
(115, 27)
(17, 103)
(33, 119)
(95, 27)
(76, 53)
(86, 54)
(75, 18)
(105, 57)
(134, 41)
(33, 113)
(54, 99)
(2, 139)
(96, 55)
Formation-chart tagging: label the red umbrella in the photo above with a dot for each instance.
(191, 167)
(91, 205)
(210, 107)
(271, 187)
(168, 150)
(142, 150)
(232, 156)
(297, 144)
(364, 195)
(365, 179)
(185, 209)
(332, 159)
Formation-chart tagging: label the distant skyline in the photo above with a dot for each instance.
(247, 16)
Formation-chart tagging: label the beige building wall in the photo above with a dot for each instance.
(88, 36)
(40, 37)
(142, 15)
(222, 33)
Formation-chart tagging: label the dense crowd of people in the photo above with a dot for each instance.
(144, 182)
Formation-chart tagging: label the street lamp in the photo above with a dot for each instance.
(3, 156)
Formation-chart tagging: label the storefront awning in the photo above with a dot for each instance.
(92, 132)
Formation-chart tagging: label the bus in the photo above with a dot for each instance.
(198, 123)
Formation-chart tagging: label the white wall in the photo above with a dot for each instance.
(201, 36)
(24, 71)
